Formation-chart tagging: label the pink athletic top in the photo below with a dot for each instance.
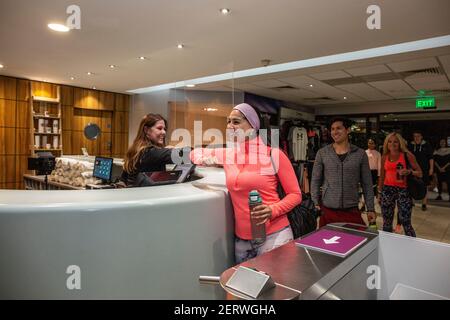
(248, 167)
(390, 172)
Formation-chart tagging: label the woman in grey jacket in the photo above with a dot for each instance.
(339, 169)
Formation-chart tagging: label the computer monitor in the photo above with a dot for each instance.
(103, 168)
(157, 178)
(187, 170)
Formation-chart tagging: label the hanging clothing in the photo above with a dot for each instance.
(299, 141)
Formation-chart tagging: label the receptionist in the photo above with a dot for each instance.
(148, 151)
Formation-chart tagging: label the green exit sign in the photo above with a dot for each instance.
(424, 103)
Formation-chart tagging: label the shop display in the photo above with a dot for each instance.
(73, 172)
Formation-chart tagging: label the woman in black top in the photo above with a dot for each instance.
(442, 163)
(148, 151)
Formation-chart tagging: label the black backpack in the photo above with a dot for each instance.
(303, 217)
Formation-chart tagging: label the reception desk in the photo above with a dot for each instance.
(137, 243)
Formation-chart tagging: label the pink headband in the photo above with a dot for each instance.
(250, 114)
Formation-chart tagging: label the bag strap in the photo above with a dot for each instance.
(408, 164)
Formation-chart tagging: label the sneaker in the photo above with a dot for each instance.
(398, 229)
(424, 207)
(438, 197)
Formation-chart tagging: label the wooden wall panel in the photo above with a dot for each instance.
(7, 141)
(67, 143)
(79, 141)
(44, 89)
(85, 98)
(23, 116)
(105, 144)
(23, 90)
(21, 167)
(106, 101)
(82, 117)
(23, 141)
(120, 121)
(7, 169)
(66, 96)
(122, 102)
(67, 117)
(120, 144)
(7, 88)
(106, 121)
(7, 113)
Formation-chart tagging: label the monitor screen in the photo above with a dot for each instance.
(164, 177)
(103, 168)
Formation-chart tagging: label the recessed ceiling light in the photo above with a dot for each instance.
(190, 85)
(58, 27)
(180, 46)
(345, 98)
(311, 86)
(89, 73)
(142, 58)
(112, 66)
(225, 11)
(72, 78)
(93, 87)
(1, 66)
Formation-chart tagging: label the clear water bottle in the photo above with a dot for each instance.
(258, 231)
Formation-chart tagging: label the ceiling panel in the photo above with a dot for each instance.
(414, 64)
(395, 88)
(445, 60)
(364, 91)
(444, 85)
(330, 75)
(364, 71)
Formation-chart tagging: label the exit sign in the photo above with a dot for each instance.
(426, 102)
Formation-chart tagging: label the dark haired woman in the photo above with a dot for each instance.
(148, 151)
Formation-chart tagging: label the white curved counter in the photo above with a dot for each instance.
(137, 243)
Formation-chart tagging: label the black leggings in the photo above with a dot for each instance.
(443, 177)
(390, 196)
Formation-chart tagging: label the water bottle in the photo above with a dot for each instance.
(258, 231)
(399, 167)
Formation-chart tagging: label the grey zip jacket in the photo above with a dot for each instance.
(340, 179)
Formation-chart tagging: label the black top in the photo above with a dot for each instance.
(151, 159)
(342, 156)
(423, 153)
(442, 160)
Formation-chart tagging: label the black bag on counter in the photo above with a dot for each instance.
(416, 187)
(303, 217)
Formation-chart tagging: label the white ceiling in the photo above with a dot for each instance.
(117, 32)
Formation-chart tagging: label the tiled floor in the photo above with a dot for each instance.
(432, 224)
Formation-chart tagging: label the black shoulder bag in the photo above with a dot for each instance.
(416, 187)
(303, 217)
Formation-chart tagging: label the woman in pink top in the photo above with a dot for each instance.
(248, 166)
(392, 183)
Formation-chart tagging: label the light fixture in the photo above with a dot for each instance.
(58, 27)
(142, 58)
(190, 85)
(180, 46)
(225, 11)
(311, 86)
(1, 66)
(112, 66)
(72, 78)
(93, 87)
(345, 98)
(210, 109)
(89, 73)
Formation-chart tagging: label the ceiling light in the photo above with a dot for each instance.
(345, 98)
(1, 66)
(93, 87)
(180, 46)
(112, 66)
(190, 85)
(72, 78)
(142, 58)
(225, 11)
(58, 27)
(89, 73)
(311, 86)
